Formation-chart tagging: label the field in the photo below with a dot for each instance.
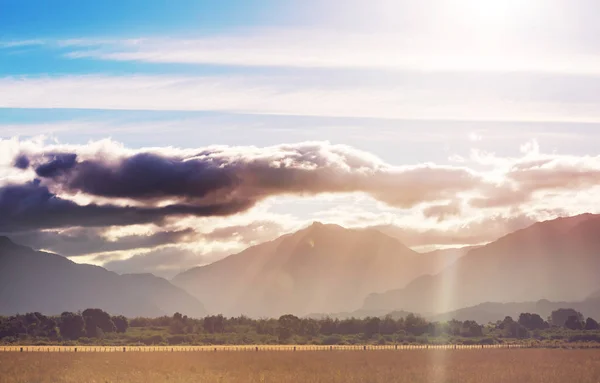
(464, 366)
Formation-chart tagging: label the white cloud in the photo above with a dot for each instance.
(443, 48)
(293, 95)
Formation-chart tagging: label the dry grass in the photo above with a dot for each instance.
(535, 365)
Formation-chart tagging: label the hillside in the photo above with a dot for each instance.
(556, 260)
(320, 269)
(492, 312)
(49, 283)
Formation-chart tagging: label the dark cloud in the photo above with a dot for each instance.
(223, 175)
(21, 162)
(32, 206)
(56, 165)
(82, 241)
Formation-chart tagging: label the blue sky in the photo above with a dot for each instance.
(377, 66)
(480, 86)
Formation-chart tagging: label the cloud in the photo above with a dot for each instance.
(32, 206)
(166, 262)
(536, 173)
(443, 211)
(83, 241)
(242, 176)
(408, 96)
(255, 232)
(473, 232)
(443, 48)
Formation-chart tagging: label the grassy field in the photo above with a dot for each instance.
(526, 365)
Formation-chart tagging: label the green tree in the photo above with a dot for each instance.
(372, 326)
(415, 325)
(71, 325)
(591, 324)
(288, 326)
(532, 321)
(97, 319)
(559, 317)
(121, 323)
(574, 323)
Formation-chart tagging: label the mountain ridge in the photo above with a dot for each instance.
(321, 268)
(525, 265)
(68, 286)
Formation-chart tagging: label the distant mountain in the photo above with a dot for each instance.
(556, 260)
(322, 268)
(492, 312)
(49, 283)
(594, 296)
(361, 314)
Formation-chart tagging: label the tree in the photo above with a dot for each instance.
(471, 329)
(96, 318)
(532, 321)
(415, 325)
(214, 324)
(72, 326)
(121, 323)
(574, 323)
(309, 327)
(372, 326)
(388, 325)
(512, 329)
(559, 317)
(289, 325)
(591, 324)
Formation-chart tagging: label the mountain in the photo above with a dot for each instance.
(320, 269)
(49, 283)
(556, 260)
(360, 314)
(594, 296)
(493, 311)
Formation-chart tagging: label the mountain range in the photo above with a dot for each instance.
(49, 283)
(322, 268)
(331, 269)
(556, 260)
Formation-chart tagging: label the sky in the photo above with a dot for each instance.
(154, 136)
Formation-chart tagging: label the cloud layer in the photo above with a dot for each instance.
(85, 200)
(225, 180)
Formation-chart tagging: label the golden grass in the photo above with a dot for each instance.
(514, 366)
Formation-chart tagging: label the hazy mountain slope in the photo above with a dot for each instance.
(594, 296)
(323, 268)
(49, 283)
(492, 312)
(437, 260)
(556, 260)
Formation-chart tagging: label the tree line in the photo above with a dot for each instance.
(91, 323)
(96, 324)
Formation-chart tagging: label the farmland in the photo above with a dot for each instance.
(488, 365)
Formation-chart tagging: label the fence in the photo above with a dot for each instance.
(255, 348)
